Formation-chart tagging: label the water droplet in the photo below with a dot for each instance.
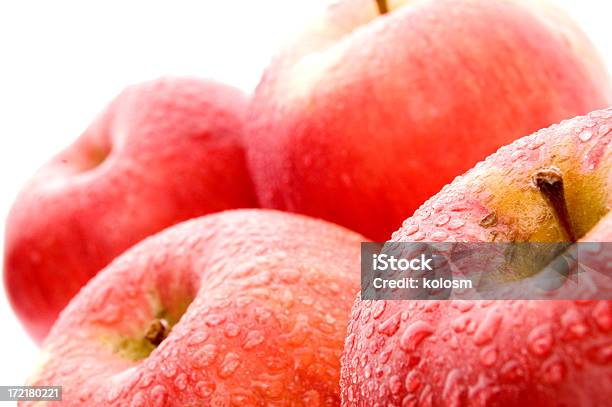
(158, 396)
(553, 371)
(350, 394)
(349, 343)
(596, 114)
(426, 397)
(442, 220)
(517, 155)
(147, 379)
(365, 316)
(431, 306)
(573, 324)
(455, 224)
(269, 386)
(414, 335)
(410, 401)
(437, 207)
(138, 400)
(540, 340)
(168, 370)
(462, 305)
(411, 229)
(604, 129)
(418, 236)
(214, 319)
(454, 389)
(395, 384)
(378, 309)
(438, 236)
(391, 325)
(205, 356)
(229, 365)
(482, 392)
(379, 372)
(263, 315)
(382, 391)
(276, 363)
(536, 143)
(374, 346)
(413, 381)
(385, 355)
(488, 328)
(486, 303)
(198, 338)
(459, 324)
(602, 313)
(181, 381)
(232, 330)
(512, 372)
(253, 339)
(291, 276)
(424, 214)
(488, 356)
(244, 302)
(585, 135)
(205, 389)
(369, 330)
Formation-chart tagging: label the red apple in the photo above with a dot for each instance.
(555, 185)
(161, 152)
(366, 116)
(241, 308)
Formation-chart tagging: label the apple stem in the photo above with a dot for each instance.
(549, 182)
(382, 6)
(157, 331)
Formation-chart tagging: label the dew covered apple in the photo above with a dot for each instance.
(162, 152)
(238, 308)
(552, 186)
(373, 109)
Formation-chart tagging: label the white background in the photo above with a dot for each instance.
(62, 61)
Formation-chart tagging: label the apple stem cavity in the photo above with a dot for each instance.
(157, 331)
(549, 182)
(382, 6)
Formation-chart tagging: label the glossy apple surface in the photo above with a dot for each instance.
(501, 353)
(365, 116)
(161, 152)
